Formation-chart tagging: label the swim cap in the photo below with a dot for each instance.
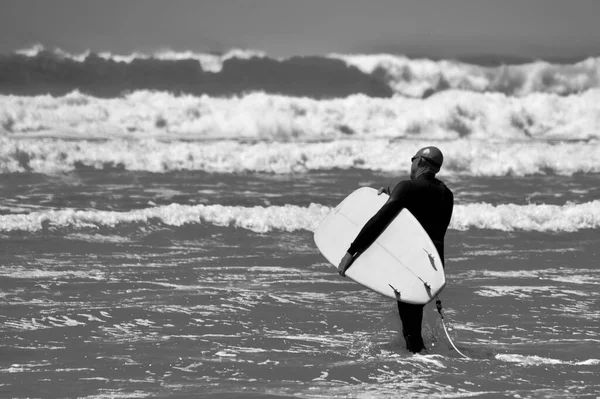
(432, 154)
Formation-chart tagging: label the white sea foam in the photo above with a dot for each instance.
(464, 157)
(548, 218)
(541, 361)
(518, 291)
(561, 275)
(36, 274)
(110, 393)
(416, 77)
(43, 323)
(98, 238)
(508, 217)
(576, 279)
(447, 115)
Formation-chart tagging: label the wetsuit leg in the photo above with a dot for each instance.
(412, 318)
(440, 249)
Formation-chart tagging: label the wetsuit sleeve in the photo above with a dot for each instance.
(377, 224)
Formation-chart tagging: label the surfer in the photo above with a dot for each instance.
(431, 202)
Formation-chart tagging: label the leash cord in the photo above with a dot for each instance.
(438, 304)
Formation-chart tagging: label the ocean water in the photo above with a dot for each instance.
(159, 244)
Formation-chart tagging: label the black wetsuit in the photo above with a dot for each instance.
(431, 202)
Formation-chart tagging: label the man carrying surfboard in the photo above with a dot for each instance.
(431, 202)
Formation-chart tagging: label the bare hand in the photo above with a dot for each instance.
(383, 190)
(345, 264)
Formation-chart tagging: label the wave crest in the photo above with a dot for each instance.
(39, 71)
(36, 70)
(507, 217)
(463, 157)
(450, 115)
(422, 77)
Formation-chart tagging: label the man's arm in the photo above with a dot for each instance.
(377, 224)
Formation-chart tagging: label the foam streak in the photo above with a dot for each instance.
(508, 217)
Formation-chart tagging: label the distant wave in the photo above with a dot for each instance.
(38, 70)
(507, 217)
(422, 77)
(448, 115)
(463, 157)
(208, 61)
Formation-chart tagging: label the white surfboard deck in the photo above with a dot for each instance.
(403, 255)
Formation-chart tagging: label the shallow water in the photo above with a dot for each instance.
(151, 307)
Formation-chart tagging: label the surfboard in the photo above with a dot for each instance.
(403, 256)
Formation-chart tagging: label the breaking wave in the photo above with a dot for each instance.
(210, 62)
(463, 157)
(506, 217)
(39, 70)
(423, 77)
(446, 116)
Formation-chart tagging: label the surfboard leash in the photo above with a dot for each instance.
(438, 305)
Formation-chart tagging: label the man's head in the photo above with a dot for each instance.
(426, 160)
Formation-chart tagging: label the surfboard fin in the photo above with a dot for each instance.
(396, 292)
(427, 288)
(431, 259)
